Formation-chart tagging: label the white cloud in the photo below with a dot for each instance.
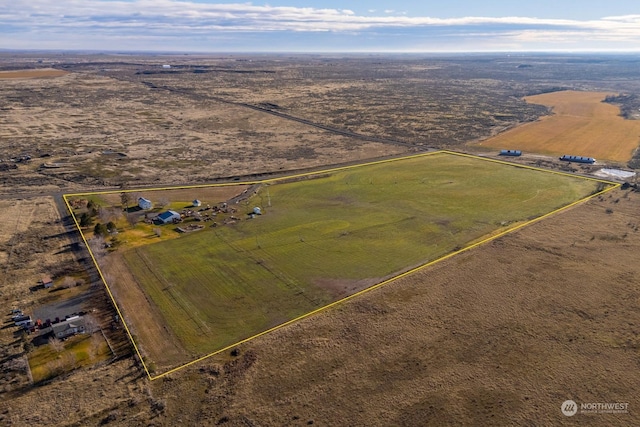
(161, 19)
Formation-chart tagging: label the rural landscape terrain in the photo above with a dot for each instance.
(499, 333)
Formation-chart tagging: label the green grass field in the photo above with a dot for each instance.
(322, 239)
(76, 352)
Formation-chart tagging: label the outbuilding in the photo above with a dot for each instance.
(47, 282)
(168, 217)
(578, 159)
(514, 153)
(144, 203)
(196, 203)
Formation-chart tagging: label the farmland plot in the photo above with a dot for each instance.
(321, 238)
(581, 125)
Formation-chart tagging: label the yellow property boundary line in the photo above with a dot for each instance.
(613, 185)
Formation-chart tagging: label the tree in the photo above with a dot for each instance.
(134, 197)
(132, 219)
(100, 229)
(92, 208)
(85, 220)
(56, 345)
(95, 346)
(68, 282)
(111, 226)
(125, 198)
(91, 323)
(98, 247)
(162, 202)
(109, 214)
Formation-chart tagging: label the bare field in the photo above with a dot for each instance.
(32, 74)
(98, 131)
(581, 124)
(31, 241)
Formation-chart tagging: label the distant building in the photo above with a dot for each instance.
(197, 203)
(144, 203)
(510, 153)
(257, 211)
(47, 282)
(168, 217)
(166, 66)
(578, 159)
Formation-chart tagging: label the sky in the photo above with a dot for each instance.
(313, 26)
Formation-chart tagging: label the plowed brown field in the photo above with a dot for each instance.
(32, 74)
(581, 125)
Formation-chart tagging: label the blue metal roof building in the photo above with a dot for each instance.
(168, 216)
(510, 152)
(578, 159)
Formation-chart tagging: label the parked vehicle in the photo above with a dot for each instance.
(24, 322)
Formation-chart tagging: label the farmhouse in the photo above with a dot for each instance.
(144, 203)
(168, 217)
(71, 326)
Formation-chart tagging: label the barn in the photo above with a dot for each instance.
(168, 217)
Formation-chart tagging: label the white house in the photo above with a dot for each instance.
(71, 326)
(196, 203)
(168, 217)
(144, 203)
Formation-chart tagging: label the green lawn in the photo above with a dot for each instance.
(78, 351)
(320, 239)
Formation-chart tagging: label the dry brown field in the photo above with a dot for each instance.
(33, 243)
(25, 251)
(581, 125)
(500, 335)
(32, 74)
